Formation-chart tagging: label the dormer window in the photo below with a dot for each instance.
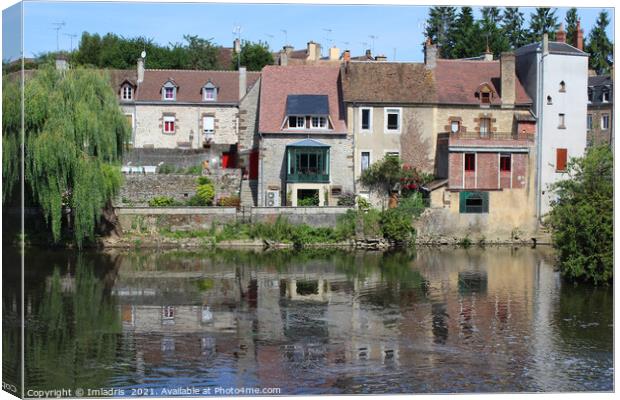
(127, 92)
(169, 91)
(209, 92)
(296, 122)
(306, 111)
(485, 94)
(485, 98)
(590, 95)
(562, 86)
(605, 95)
(319, 122)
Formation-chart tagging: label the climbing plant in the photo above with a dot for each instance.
(74, 133)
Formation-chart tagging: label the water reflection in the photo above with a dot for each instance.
(328, 322)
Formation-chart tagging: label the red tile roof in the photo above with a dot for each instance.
(458, 80)
(190, 83)
(277, 82)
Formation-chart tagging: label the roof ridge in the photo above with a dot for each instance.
(194, 70)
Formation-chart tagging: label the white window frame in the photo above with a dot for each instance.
(362, 109)
(603, 127)
(168, 312)
(319, 118)
(458, 123)
(126, 92)
(487, 131)
(204, 125)
(165, 90)
(589, 122)
(605, 96)
(288, 121)
(208, 89)
(361, 158)
(169, 118)
(391, 110)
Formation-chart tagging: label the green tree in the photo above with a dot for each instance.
(254, 56)
(543, 20)
(383, 176)
(201, 53)
(599, 46)
(582, 218)
(491, 14)
(74, 137)
(491, 32)
(512, 27)
(571, 25)
(440, 29)
(466, 35)
(89, 50)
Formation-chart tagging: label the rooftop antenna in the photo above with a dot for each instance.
(329, 35)
(57, 27)
(285, 36)
(270, 38)
(71, 36)
(237, 31)
(372, 38)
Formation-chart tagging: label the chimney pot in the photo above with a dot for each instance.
(578, 36)
(560, 35)
(346, 56)
(430, 54)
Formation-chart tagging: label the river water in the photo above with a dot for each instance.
(219, 322)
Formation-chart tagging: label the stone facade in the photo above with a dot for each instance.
(272, 167)
(597, 135)
(138, 190)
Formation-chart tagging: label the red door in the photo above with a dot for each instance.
(226, 160)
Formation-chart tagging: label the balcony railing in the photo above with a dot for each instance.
(307, 178)
(490, 136)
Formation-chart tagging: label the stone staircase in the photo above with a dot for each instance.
(249, 192)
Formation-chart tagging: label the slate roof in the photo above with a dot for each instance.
(307, 104)
(190, 83)
(458, 80)
(554, 48)
(278, 82)
(598, 84)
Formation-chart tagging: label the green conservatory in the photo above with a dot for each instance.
(307, 162)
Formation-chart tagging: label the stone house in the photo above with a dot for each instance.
(600, 121)
(555, 76)
(305, 151)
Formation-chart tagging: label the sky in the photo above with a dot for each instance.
(397, 29)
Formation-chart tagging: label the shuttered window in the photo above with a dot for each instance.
(561, 160)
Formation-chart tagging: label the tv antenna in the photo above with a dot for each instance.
(71, 36)
(329, 35)
(285, 36)
(57, 27)
(372, 39)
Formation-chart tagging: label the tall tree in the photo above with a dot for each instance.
(254, 56)
(599, 46)
(543, 20)
(512, 27)
(74, 133)
(201, 53)
(571, 25)
(491, 14)
(490, 31)
(440, 29)
(466, 35)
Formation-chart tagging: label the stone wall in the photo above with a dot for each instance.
(313, 216)
(182, 158)
(248, 119)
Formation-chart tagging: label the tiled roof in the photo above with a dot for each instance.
(277, 82)
(190, 83)
(599, 84)
(386, 82)
(458, 80)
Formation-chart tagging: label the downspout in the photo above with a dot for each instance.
(539, 127)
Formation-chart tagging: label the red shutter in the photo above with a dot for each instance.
(561, 159)
(225, 160)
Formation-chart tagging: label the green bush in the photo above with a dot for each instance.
(163, 201)
(204, 180)
(309, 201)
(582, 218)
(363, 204)
(396, 225)
(166, 169)
(193, 170)
(412, 205)
(347, 199)
(205, 193)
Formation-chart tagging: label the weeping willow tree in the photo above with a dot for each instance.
(74, 132)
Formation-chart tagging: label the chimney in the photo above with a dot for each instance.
(545, 44)
(243, 82)
(381, 58)
(560, 35)
(487, 55)
(508, 77)
(61, 63)
(237, 46)
(346, 56)
(283, 57)
(430, 54)
(334, 53)
(314, 51)
(369, 54)
(578, 36)
(140, 70)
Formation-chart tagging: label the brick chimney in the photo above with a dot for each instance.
(508, 77)
(578, 36)
(243, 82)
(346, 56)
(140, 70)
(560, 35)
(334, 53)
(283, 57)
(430, 54)
(369, 54)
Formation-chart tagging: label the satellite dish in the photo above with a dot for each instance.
(143, 54)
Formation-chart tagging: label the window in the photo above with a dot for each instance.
(605, 95)
(169, 93)
(590, 95)
(505, 162)
(319, 122)
(366, 119)
(169, 124)
(209, 93)
(561, 158)
(392, 154)
(561, 121)
(605, 122)
(473, 202)
(296, 122)
(392, 120)
(485, 97)
(549, 100)
(365, 160)
(208, 124)
(455, 126)
(127, 92)
(562, 86)
(589, 122)
(485, 127)
(470, 162)
(167, 312)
